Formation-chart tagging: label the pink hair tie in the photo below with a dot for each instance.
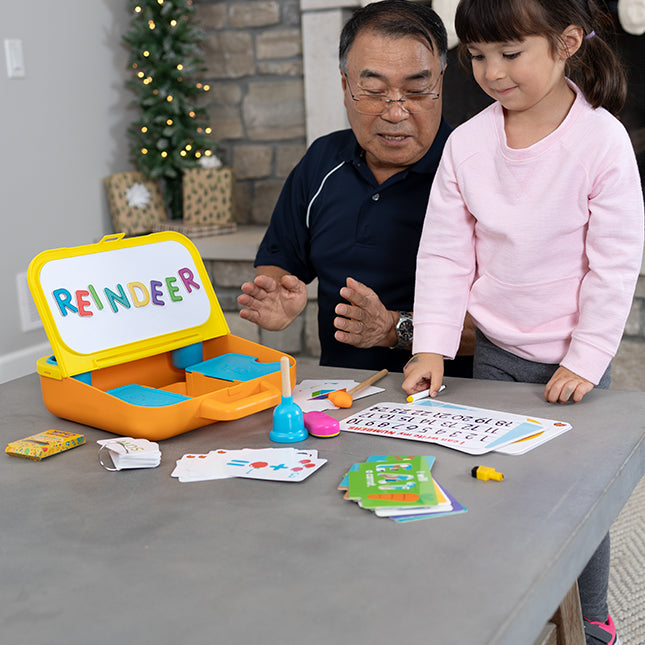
(591, 34)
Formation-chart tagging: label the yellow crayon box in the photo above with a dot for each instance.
(140, 344)
(44, 444)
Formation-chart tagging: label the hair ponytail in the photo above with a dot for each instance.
(595, 68)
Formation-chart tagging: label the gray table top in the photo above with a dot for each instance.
(91, 556)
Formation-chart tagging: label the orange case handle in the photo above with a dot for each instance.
(215, 409)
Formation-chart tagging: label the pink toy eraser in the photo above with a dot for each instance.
(321, 425)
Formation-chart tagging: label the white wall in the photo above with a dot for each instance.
(62, 130)
(322, 22)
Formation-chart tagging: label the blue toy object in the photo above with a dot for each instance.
(182, 357)
(288, 422)
(233, 367)
(146, 396)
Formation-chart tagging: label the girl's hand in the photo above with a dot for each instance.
(565, 385)
(423, 372)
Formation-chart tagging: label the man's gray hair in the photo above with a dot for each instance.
(396, 18)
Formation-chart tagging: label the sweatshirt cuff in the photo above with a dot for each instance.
(586, 360)
(436, 339)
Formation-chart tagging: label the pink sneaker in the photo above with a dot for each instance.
(604, 633)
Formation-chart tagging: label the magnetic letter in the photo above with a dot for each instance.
(156, 292)
(95, 296)
(188, 279)
(64, 301)
(82, 303)
(172, 289)
(145, 296)
(113, 298)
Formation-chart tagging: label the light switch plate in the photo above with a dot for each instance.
(14, 57)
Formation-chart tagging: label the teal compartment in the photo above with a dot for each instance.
(234, 367)
(146, 396)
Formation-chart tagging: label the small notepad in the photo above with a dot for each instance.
(126, 452)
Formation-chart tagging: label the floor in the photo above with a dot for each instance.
(627, 574)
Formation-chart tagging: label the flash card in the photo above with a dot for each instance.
(200, 467)
(127, 452)
(273, 464)
(281, 464)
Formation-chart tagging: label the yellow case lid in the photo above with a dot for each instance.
(122, 299)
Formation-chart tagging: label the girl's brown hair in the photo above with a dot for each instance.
(594, 67)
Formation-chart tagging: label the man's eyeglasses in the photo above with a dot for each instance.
(375, 104)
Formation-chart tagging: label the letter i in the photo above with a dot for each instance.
(95, 296)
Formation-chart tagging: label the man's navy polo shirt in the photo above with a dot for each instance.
(333, 220)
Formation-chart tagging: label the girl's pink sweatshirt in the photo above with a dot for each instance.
(542, 245)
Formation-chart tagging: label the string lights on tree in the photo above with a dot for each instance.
(172, 133)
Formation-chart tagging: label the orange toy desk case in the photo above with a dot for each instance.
(141, 346)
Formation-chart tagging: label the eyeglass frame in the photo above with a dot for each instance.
(388, 102)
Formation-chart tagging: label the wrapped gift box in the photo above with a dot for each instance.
(136, 203)
(208, 196)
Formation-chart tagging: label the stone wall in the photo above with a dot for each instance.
(254, 58)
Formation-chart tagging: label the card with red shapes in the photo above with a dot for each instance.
(271, 464)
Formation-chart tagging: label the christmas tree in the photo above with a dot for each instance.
(173, 132)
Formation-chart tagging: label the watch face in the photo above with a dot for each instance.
(406, 328)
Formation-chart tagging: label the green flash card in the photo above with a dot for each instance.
(399, 484)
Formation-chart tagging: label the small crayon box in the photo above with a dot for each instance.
(41, 445)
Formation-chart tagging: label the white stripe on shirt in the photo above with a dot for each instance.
(322, 183)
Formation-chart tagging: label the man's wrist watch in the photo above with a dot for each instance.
(404, 330)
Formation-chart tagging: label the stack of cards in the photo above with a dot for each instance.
(126, 452)
(401, 488)
(273, 464)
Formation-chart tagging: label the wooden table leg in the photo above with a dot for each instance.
(568, 619)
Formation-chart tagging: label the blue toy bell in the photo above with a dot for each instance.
(288, 421)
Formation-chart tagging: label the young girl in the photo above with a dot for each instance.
(535, 219)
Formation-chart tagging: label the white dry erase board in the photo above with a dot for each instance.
(468, 429)
(142, 295)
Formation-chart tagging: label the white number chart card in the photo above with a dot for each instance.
(472, 430)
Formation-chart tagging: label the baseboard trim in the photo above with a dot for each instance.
(23, 362)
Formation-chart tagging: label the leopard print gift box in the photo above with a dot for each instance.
(208, 196)
(136, 203)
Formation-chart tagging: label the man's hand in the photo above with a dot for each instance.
(364, 322)
(273, 302)
(565, 385)
(423, 372)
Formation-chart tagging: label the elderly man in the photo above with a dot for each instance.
(351, 212)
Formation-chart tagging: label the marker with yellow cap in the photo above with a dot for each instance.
(485, 473)
(424, 394)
